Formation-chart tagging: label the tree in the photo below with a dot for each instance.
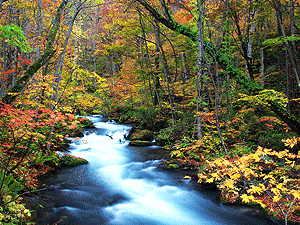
(42, 60)
(225, 62)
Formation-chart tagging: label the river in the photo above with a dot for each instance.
(122, 185)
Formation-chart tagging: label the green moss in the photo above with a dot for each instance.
(141, 135)
(139, 143)
(77, 132)
(87, 124)
(170, 165)
(69, 160)
(173, 166)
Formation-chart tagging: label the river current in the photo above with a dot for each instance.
(123, 185)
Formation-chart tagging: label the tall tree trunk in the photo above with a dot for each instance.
(252, 31)
(200, 53)
(262, 56)
(227, 103)
(278, 10)
(59, 65)
(165, 68)
(292, 56)
(156, 99)
(216, 102)
(61, 58)
(184, 73)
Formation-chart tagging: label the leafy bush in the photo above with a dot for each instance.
(12, 211)
(267, 177)
(174, 133)
(26, 140)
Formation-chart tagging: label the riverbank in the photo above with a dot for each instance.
(201, 162)
(124, 184)
(189, 171)
(30, 147)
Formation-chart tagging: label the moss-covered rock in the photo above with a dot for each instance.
(86, 123)
(69, 160)
(141, 135)
(180, 164)
(173, 166)
(77, 132)
(164, 138)
(140, 143)
(170, 164)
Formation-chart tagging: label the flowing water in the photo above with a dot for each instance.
(122, 185)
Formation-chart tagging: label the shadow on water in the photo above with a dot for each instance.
(122, 185)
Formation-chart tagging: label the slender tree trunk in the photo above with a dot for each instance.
(288, 79)
(165, 68)
(227, 102)
(262, 57)
(252, 31)
(61, 58)
(184, 73)
(60, 61)
(94, 56)
(287, 44)
(200, 52)
(156, 99)
(217, 110)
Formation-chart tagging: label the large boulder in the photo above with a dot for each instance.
(86, 123)
(77, 132)
(69, 160)
(141, 135)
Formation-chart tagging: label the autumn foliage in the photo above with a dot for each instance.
(227, 106)
(266, 177)
(26, 137)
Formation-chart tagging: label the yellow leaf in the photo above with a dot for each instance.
(246, 198)
(187, 177)
(276, 198)
(276, 191)
(235, 176)
(296, 194)
(229, 184)
(255, 189)
(262, 205)
(215, 175)
(210, 180)
(291, 142)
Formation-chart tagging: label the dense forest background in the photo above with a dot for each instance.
(216, 81)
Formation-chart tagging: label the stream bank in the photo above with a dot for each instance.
(124, 185)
